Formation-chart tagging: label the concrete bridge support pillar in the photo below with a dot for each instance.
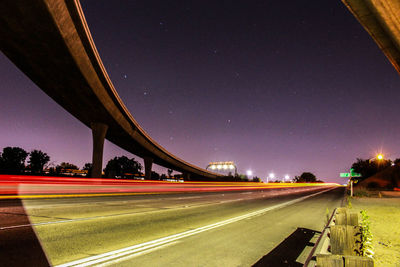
(99, 131)
(186, 176)
(148, 163)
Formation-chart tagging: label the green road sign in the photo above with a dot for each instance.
(350, 174)
(354, 174)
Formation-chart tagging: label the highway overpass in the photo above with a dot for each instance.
(50, 41)
(380, 18)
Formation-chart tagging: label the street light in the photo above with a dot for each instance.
(271, 176)
(287, 177)
(378, 158)
(249, 173)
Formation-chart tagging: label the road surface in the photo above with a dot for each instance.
(192, 229)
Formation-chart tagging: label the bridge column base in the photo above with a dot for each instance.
(99, 131)
(148, 163)
(186, 176)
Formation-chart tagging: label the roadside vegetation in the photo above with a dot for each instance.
(379, 219)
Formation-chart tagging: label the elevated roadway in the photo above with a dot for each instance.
(50, 41)
(381, 19)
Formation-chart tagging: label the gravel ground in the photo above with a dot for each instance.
(384, 216)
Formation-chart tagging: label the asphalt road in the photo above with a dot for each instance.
(196, 229)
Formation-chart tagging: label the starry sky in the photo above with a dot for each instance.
(272, 86)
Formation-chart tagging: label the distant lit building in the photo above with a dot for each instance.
(225, 167)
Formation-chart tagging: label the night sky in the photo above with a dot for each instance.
(273, 87)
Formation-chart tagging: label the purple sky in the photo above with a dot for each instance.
(273, 87)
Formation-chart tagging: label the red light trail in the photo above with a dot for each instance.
(21, 186)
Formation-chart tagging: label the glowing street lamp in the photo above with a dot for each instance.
(270, 176)
(287, 177)
(378, 158)
(249, 173)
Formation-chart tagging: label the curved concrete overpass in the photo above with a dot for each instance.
(49, 40)
(381, 19)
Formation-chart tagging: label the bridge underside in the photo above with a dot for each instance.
(381, 19)
(50, 42)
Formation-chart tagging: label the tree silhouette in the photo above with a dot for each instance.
(169, 171)
(155, 176)
(37, 160)
(305, 177)
(368, 168)
(88, 167)
(65, 166)
(119, 166)
(12, 160)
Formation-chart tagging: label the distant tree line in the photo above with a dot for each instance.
(15, 160)
(12, 161)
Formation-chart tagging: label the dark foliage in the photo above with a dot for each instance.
(12, 160)
(305, 177)
(37, 160)
(122, 167)
(367, 168)
(88, 167)
(155, 176)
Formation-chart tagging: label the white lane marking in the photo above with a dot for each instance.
(114, 262)
(187, 197)
(63, 221)
(112, 255)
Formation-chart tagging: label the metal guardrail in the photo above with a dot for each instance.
(323, 236)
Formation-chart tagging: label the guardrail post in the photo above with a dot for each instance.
(345, 239)
(329, 260)
(357, 261)
(344, 217)
(99, 131)
(345, 242)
